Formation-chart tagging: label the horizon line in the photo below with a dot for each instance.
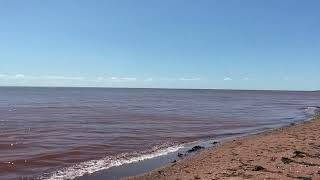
(164, 88)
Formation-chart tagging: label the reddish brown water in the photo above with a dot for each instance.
(55, 133)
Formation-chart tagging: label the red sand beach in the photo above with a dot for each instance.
(286, 153)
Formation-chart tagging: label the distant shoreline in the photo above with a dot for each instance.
(285, 153)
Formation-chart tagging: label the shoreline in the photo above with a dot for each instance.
(185, 151)
(290, 152)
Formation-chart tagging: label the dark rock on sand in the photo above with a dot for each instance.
(180, 155)
(195, 148)
(286, 160)
(258, 168)
(215, 142)
(197, 177)
(304, 178)
(298, 154)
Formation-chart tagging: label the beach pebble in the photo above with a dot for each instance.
(286, 160)
(180, 155)
(215, 142)
(195, 148)
(258, 168)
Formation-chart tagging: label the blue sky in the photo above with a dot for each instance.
(229, 44)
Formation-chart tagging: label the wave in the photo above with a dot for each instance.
(108, 162)
(92, 166)
(312, 110)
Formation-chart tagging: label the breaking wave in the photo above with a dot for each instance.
(312, 110)
(92, 166)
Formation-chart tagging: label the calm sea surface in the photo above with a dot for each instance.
(52, 133)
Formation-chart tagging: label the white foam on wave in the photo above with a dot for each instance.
(92, 166)
(312, 110)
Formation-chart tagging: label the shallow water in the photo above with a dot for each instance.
(67, 132)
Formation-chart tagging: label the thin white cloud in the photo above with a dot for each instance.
(16, 76)
(3, 75)
(41, 77)
(123, 78)
(128, 79)
(62, 77)
(99, 79)
(180, 79)
(227, 79)
(148, 80)
(189, 79)
(19, 76)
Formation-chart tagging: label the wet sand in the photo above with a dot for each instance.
(286, 153)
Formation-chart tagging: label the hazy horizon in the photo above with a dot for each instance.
(164, 88)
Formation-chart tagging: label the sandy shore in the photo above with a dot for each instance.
(286, 153)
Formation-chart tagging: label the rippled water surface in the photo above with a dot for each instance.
(48, 130)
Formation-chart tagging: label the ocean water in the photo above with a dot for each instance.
(64, 133)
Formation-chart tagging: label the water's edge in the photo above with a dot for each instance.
(124, 166)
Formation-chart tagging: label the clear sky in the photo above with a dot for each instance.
(230, 44)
